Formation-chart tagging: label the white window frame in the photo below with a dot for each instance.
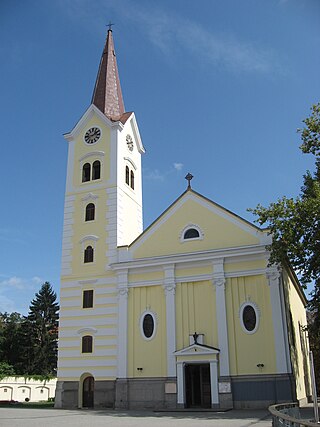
(188, 227)
(154, 317)
(257, 312)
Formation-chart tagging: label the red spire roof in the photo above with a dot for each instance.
(107, 95)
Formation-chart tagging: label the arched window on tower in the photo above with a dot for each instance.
(132, 180)
(96, 169)
(90, 212)
(86, 171)
(87, 344)
(127, 175)
(88, 254)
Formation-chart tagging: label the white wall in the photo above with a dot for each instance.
(20, 388)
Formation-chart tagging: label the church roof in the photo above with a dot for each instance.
(107, 94)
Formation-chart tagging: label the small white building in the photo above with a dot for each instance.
(23, 389)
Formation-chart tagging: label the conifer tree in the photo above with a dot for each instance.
(43, 327)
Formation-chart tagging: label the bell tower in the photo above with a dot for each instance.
(103, 210)
(103, 175)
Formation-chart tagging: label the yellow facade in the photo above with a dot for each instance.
(148, 355)
(219, 232)
(248, 351)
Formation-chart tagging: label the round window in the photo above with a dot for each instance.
(249, 318)
(148, 325)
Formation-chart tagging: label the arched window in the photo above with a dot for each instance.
(127, 175)
(90, 211)
(96, 168)
(86, 171)
(132, 180)
(191, 233)
(87, 344)
(88, 254)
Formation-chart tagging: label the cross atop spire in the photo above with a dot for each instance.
(110, 25)
(107, 94)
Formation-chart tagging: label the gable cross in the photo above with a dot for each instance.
(189, 177)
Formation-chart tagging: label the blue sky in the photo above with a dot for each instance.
(218, 87)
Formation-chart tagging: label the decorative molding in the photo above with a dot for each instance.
(90, 196)
(257, 311)
(155, 322)
(187, 227)
(89, 237)
(273, 274)
(219, 282)
(197, 350)
(187, 258)
(92, 154)
(127, 159)
(87, 282)
(123, 292)
(87, 330)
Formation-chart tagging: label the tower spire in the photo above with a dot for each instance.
(107, 95)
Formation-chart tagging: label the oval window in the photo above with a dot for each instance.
(148, 325)
(249, 318)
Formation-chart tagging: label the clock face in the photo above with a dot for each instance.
(92, 135)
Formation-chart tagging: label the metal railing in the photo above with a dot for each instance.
(288, 415)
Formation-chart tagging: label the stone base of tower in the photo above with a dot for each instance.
(67, 393)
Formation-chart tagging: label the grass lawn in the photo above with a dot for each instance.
(33, 405)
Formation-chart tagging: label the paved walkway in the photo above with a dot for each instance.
(20, 417)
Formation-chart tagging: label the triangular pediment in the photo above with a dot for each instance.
(218, 229)
(86, 117)
(197, 350)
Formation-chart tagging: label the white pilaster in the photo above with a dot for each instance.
(221, 315)
(274, 279)
(169, 289)
(180, 383)
(122, 323)
(214, 382)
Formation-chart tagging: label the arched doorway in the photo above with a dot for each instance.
(88, 393)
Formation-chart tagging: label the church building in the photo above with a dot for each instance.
(184, 314)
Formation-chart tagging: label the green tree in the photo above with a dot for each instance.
(43, 324)
(294, 224)
(6, 370)
(10, 339)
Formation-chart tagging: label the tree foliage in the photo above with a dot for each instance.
(43, 321)
(28, 345)
(294, 224)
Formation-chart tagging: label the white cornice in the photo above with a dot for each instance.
(136, 133)
(191, 257)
